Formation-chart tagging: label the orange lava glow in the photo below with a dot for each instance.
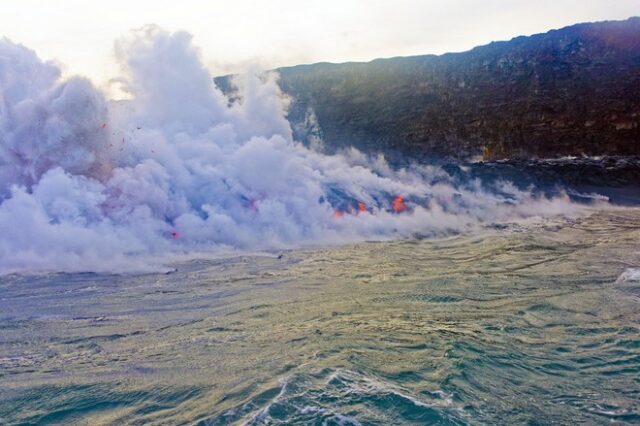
(398, 204)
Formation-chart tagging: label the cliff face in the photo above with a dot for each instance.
(573, 91)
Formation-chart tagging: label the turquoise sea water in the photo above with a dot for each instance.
(528, 324)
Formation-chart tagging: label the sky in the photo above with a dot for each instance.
(239, 34)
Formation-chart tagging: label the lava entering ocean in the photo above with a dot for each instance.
(88, 183)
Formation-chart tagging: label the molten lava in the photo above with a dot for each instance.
(398, 205)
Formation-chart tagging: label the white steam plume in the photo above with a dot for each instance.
(91, 184)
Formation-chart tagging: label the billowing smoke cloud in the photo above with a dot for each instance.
(91, 184)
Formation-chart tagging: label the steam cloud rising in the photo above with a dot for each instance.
(92, 184)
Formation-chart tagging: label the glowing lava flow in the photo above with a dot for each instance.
(398, 204)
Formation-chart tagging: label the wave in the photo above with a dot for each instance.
(629, 275)
(340, 397)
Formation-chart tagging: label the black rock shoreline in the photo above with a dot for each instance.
(615, 177)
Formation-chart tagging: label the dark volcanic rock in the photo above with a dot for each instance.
(573, 91)
(617, 178)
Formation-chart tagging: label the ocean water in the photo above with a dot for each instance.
(535, 323)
